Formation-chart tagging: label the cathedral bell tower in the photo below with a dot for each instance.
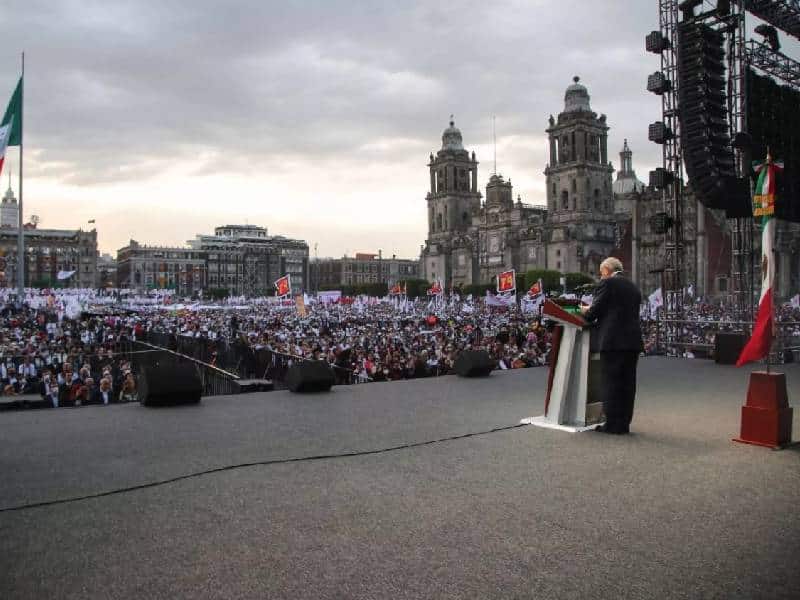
(579, 198)
(452, 199)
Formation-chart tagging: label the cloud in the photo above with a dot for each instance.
(295, 107)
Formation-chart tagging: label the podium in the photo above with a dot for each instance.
(572, 402)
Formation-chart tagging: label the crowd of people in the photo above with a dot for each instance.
(700, 323)
(74, 347)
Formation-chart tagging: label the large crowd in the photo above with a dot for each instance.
(74, 347)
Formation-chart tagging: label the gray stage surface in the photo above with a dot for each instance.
(675, 510)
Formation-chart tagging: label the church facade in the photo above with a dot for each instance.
(470, 240)
(588, 216)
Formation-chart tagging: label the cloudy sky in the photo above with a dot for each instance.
(313, 118)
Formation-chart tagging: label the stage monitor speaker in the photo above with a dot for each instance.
(728, 346)
(169, 383)
(310, 376)
(474, 363)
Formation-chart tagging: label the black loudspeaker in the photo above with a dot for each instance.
(310, 376)
(727, 347)
(474, 363)
(169, 383)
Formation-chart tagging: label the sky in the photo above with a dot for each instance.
(315, 119)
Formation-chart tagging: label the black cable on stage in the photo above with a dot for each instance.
(275, 461)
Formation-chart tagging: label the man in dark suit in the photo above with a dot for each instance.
(617, 336)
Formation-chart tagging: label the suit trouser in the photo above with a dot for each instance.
(619, 388)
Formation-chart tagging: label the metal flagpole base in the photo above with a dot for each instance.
(542, 421)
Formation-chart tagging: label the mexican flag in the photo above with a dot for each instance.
(764, 207)
(11, 125)
(5, 134)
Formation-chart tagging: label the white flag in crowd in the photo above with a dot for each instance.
(656, 301)
(796, 301)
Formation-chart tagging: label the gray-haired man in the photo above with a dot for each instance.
(617, 336)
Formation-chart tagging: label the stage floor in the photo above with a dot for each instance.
(675, 510)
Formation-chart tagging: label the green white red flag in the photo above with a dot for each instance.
(764, 206)
(11, 125)
(5, 134)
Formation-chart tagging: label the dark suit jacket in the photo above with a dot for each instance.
(614, 316)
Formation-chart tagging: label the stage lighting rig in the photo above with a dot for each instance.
(776, 64)
(783, 14)
(660, 223)
(687, 8)
(659, 133)
(770, 36)
(660, 178)
(655, 42)
(658, 83)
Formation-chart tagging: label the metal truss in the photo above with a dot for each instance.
(783, 14)
(672, 195)
(762, 57)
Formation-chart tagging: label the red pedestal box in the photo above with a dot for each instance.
(767, 417)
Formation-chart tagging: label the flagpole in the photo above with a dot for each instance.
(20, 232)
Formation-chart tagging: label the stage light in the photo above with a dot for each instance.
(658, 83)
(660, 223)
(655, 42)
(659, 133)
(687, 8)
(742, 140)
(770, 36)
(661, 178)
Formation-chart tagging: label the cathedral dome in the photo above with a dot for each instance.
(576, 98)
(451, 138)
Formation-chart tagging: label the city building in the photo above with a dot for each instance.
(9, 210)
(363, 268)
(106, 271)
(244, 259)
(143, 267)
(587, 216)
(470, 241)
(54, 257)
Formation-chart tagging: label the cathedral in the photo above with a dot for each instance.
(588, 215)
(471, 240)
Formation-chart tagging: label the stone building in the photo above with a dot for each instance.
(580, 230)
(242, 259)
(329, 273)
(470, 241)
(9, 210)
(143, 267)
(55, 257)
(640, 245)
(245, 259)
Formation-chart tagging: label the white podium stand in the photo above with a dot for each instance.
(568, 405)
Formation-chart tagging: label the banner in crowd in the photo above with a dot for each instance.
(656, 300)
(300, 303)
(330, 296)
(436, 289)
(795, 301)
(504, 300)
(283, 286)
(536, 289)
(506, 282)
